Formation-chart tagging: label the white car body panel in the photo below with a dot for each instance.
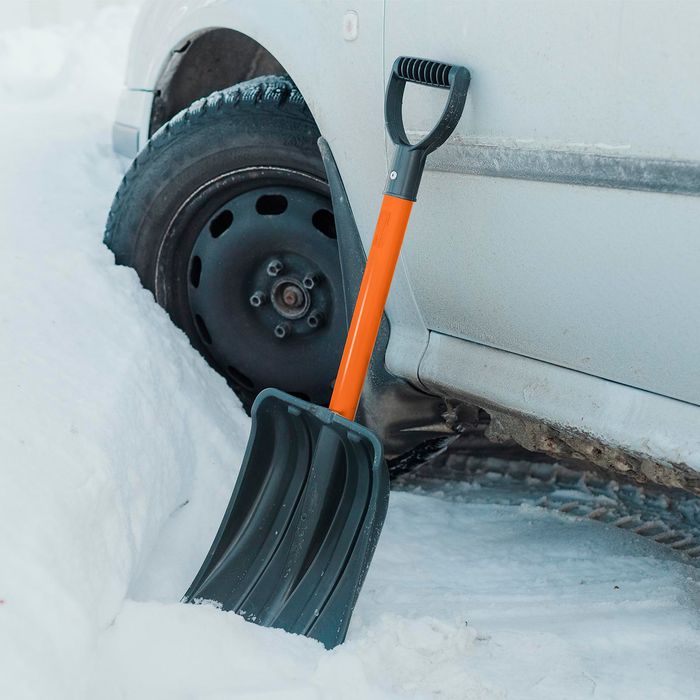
(597, 280)
(505, 280)
(600, 280)
(611, 76)
(133, 117)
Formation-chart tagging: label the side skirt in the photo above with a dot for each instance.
(565, 413)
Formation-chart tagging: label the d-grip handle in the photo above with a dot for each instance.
(409, 161)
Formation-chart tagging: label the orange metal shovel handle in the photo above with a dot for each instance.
(381, 263)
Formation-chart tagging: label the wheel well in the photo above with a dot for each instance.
(209, 60)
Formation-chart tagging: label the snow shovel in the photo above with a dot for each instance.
(300, 530)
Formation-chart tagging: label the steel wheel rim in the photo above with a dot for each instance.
(222, 265)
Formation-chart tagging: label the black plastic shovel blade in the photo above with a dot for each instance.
(299, 533)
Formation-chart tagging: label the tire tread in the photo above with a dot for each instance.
(267, 91)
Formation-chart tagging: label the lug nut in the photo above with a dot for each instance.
(258, 299)
(274, 268)
(310, 281)
(282, 330)
(315, 319)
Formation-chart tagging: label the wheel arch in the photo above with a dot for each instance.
(200, 65)
(182, 51)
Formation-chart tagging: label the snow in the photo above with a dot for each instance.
(120, 447)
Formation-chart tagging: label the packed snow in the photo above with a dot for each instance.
(120, 447)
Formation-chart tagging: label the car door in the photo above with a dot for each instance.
(560, 222)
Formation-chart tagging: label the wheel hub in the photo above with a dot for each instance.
(290, 299)
(290, 289)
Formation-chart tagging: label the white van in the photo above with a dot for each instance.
(551, 270)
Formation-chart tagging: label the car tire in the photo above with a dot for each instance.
(226, 217)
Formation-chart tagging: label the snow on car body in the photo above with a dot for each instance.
(549, 273)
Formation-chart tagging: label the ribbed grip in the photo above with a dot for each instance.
(423, 71)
